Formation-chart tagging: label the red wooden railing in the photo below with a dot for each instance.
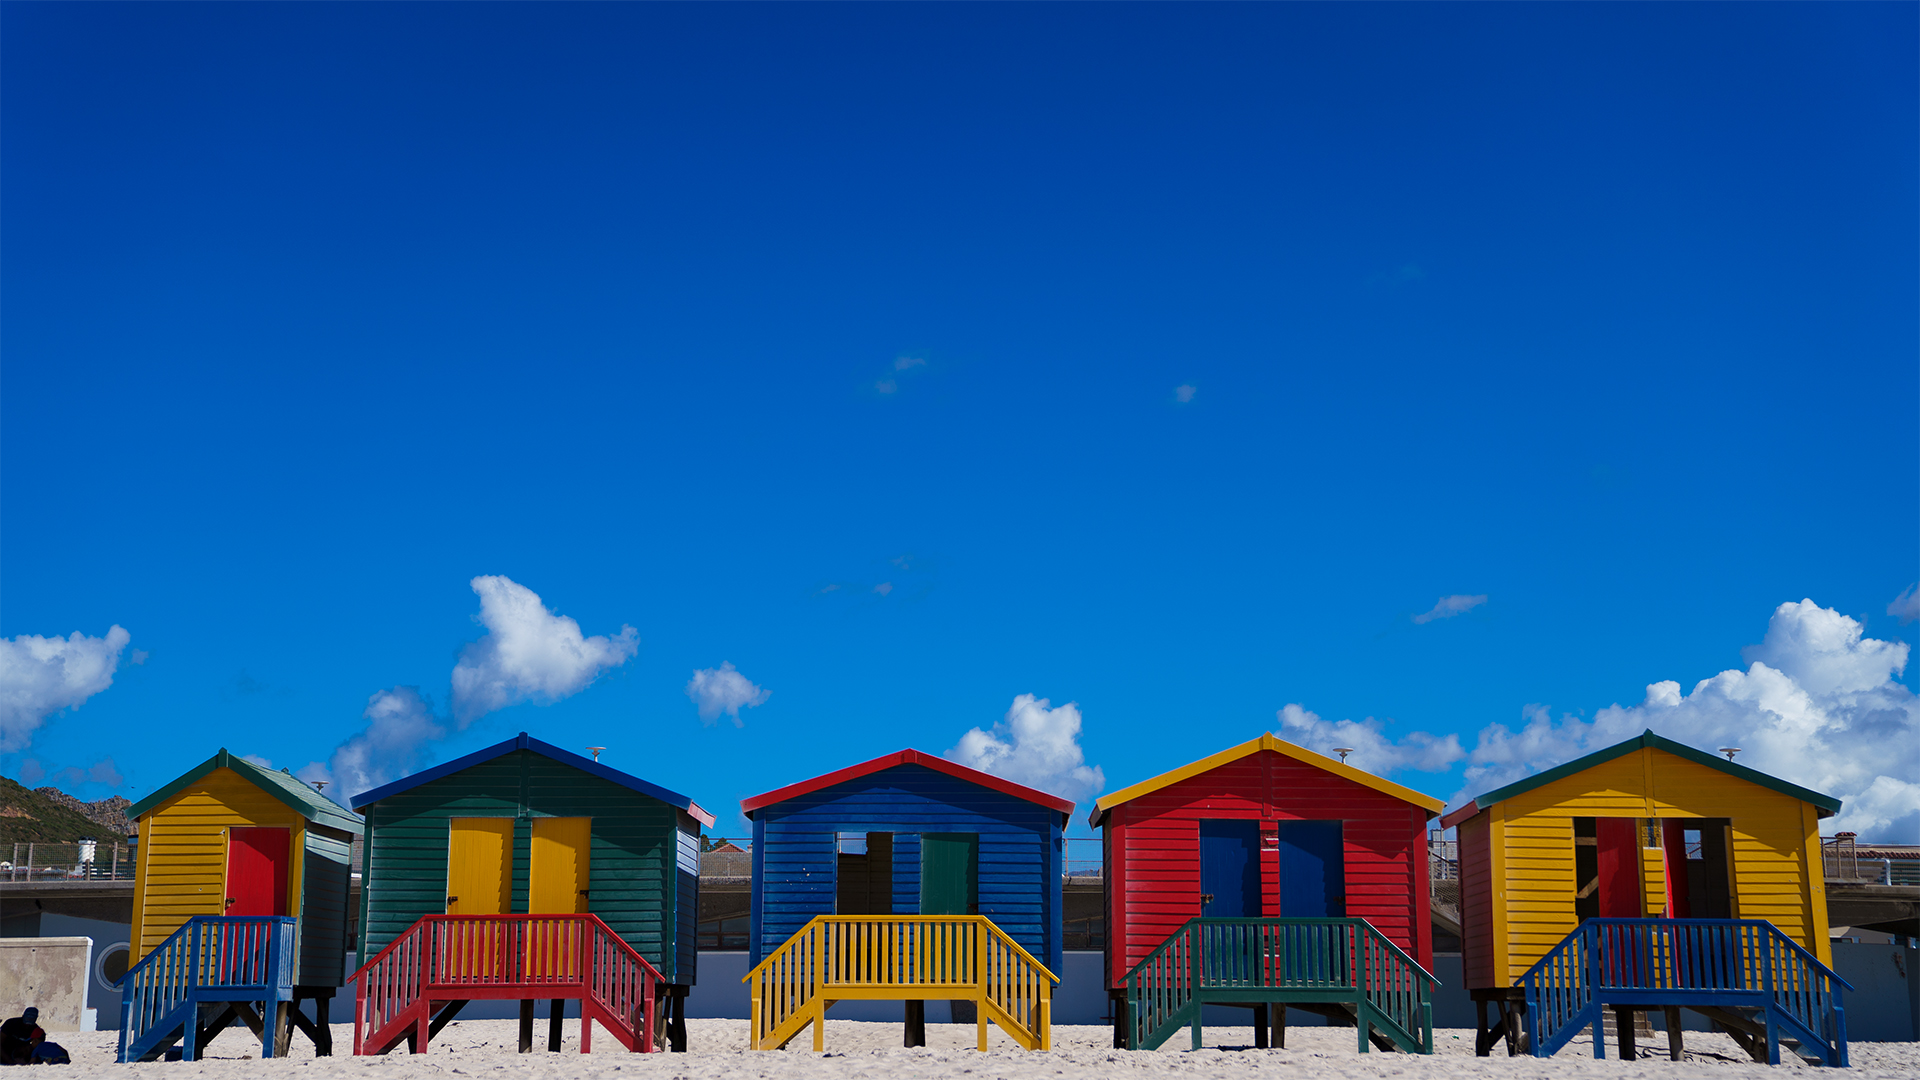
(446, 958)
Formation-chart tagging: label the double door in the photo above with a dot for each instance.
(1310, 863)
(480, 866)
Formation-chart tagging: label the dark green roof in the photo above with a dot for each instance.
(1827, 804)
(281, 785)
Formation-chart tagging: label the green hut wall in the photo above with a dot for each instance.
(642, 881)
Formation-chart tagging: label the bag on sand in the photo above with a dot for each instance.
(48, 1053)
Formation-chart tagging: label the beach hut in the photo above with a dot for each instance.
(1268, 876)
(914, 879)
(527, 872)
(1649, 876)
(239, 903)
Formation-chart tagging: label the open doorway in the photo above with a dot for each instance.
(1606, 868)
(865, 874)
(1699, 882)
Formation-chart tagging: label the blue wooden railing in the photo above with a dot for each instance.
(1689, 963)
(213, 958)
(1280, 961)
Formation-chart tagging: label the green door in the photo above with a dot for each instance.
(950, 873)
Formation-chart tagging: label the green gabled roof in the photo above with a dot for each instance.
(311, 804)
(1647, 740)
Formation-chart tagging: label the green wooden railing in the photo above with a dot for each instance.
(1280, 961)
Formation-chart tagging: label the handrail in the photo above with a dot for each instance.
(1300, 959)
(1700, 962)
(450, 957)
(209, 958)
(909, 956)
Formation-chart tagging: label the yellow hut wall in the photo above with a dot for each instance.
(1775, 851)
(182, 868)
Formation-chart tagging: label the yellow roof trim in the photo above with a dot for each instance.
(1254, 746)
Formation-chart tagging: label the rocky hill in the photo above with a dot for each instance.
(50, 815)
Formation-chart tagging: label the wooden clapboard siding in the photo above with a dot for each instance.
(323, 907)
(1151, 846)
(1525, 903)
(181, 871)
(634, 880)
(795, 855)
(1476, 902)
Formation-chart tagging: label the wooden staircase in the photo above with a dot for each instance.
(1744, 974)
(418, 983)
(1343, 969)
(899, 958)
(215, 963)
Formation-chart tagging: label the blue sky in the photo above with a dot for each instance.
(845, 346)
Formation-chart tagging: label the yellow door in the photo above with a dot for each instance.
(557, 871)
(479, 866)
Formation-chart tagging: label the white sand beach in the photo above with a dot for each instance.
(872, 1051)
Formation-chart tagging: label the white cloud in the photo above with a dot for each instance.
(39, 676)
(1184, 392)
(400, 722)
(724, 690)
(906, 363)
(265, 763)
(1449, 606)
(1906, 606)
(883, 588)
(1818, 706)
(1034, 745)
(1372, 749)
(529, 653)
(887, 386)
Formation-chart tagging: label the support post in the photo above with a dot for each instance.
(916, 1023)
(1676, 1038)
(1279, 1027)
(526, 1025)
(282, 1028)
(1260, 1026)
(677, 1021)
(1623, 1029)
(556, 1015)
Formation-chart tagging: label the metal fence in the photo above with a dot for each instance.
(87, 860)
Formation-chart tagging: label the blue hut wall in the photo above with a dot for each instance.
(795, 855)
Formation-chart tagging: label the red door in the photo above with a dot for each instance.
(256, 871)
(1618, 842)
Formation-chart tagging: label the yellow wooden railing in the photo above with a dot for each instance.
(900, 958)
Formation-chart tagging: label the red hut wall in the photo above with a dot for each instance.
(1476, 902)
(1153, 858)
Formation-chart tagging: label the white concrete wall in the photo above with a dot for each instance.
(47, 973)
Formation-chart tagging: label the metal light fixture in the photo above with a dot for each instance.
(595, 751)
(1343, 751)
(1730, 751)
(320, 786)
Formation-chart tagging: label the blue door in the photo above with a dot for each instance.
(1230, 869)
(1313, 870)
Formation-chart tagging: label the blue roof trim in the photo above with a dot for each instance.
(524, 741)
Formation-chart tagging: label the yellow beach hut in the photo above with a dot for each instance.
(239, 899)
(1649, 876)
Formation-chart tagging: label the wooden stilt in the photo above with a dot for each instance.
(1676, 1037)
(1260, 1026)
(526, 1026)
(916, 1024)
(556, 1015)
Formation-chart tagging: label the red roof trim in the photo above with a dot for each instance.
(906, 757)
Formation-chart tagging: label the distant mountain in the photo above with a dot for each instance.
(50, 816)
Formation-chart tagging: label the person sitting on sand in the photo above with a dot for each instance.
(19, 1036)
